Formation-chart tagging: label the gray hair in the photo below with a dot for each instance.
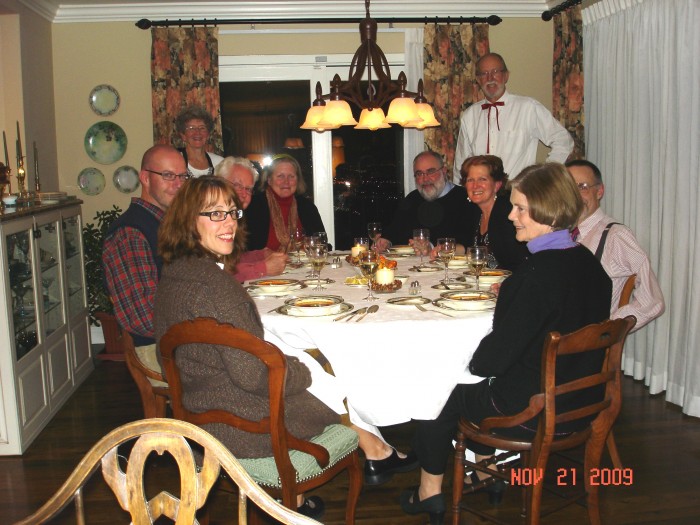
(194, 113)
(429, 153)
(226, 165)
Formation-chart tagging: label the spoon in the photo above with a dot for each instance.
(370, 310)
(351, 314)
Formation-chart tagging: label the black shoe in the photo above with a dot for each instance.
(494, 487)
(378, 471)
(434, 506)
(313, 508)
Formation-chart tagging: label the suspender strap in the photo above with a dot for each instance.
(601, 244)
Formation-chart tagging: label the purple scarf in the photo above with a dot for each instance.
(557, 240)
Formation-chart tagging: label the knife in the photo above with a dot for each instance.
(344, 316)
(370, 310)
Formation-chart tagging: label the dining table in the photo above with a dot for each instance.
(393, 365)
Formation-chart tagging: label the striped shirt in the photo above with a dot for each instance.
(621, 258)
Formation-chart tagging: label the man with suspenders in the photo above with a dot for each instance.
(616, 248)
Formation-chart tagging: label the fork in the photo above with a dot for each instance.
(423, 309)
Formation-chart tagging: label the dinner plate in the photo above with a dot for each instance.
(468, 300)
(314, 305)
(91, 181)
(255, 291)
(105, 142)
(402, 249)
(489, 276)
(285, 310)
(426, 269)
(407, 301)
(275, 285)
(126, 179)
(104, 100)
(452, 286)
(458, 263)
(314, 282)
(443, 303)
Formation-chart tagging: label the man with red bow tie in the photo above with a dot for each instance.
(506, 125)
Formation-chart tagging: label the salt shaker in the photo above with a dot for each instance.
(414, 288)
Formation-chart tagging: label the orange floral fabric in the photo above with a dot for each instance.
(450, 55)
(184, 72)
(567, 76)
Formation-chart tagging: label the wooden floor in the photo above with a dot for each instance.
(659, 444)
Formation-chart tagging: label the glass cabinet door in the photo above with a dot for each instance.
(21, 270)
(51, 295)
(71, 245)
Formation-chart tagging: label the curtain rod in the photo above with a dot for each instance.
(144, 23)
(548, 15)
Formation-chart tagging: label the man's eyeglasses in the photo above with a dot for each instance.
(201, 129)
(584, 186)
(427, 173)
(241, 187)
(170, 176)
(220, 215)
(490, 73)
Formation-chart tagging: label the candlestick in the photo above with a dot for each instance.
(37, 184)
(19, 146)
(4, 142)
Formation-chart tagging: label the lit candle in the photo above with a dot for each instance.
(355, 251)
(384, 276)
(4, 142)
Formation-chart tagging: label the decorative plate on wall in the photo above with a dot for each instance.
(91, 181)
(104, 100)
(105, 142)
(126, 179)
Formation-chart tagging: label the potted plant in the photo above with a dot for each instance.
(99, 303)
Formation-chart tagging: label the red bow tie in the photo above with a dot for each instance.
(488, 120)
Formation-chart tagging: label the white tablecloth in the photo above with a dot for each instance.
(396, 365)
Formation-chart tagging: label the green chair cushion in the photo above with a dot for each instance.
(338, 440)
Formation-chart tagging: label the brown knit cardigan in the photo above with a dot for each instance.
(215, 377)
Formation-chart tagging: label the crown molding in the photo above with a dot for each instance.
(111, 11)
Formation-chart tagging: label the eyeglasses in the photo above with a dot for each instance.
(220, 215)
(241, 187)
(170, 176)
(201, 129)
(584, 186)
(490, 73)
(427, 173)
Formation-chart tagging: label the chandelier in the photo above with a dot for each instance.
(408, 109)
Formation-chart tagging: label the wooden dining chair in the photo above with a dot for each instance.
(154, 397)
(128, 484)
(297, 465)
(610, 442)
(609, 335)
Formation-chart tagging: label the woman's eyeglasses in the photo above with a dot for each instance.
(220, 215)
(170, 176)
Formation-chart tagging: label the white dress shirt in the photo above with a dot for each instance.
(621, 258)
(512, 134)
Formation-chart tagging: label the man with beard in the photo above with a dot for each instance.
(436, 204)
(506, 125)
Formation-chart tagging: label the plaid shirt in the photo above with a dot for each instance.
(132, 275)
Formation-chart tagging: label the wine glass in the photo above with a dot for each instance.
(297, 239)
(421, 242)
(477, 257)
(309, 242)
(323, 237)
(446, 251)
(317, 255)
(374, 230)
(369, 263)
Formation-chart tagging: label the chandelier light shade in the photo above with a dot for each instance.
(425, 111)
(368, 60)
(372, 119)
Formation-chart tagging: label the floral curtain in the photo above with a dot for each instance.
(450, 56)
(567, 76)
(184, 72)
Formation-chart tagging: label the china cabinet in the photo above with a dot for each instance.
(44, 333)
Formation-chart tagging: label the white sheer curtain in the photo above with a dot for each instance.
(642, 96)
(413, 138)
